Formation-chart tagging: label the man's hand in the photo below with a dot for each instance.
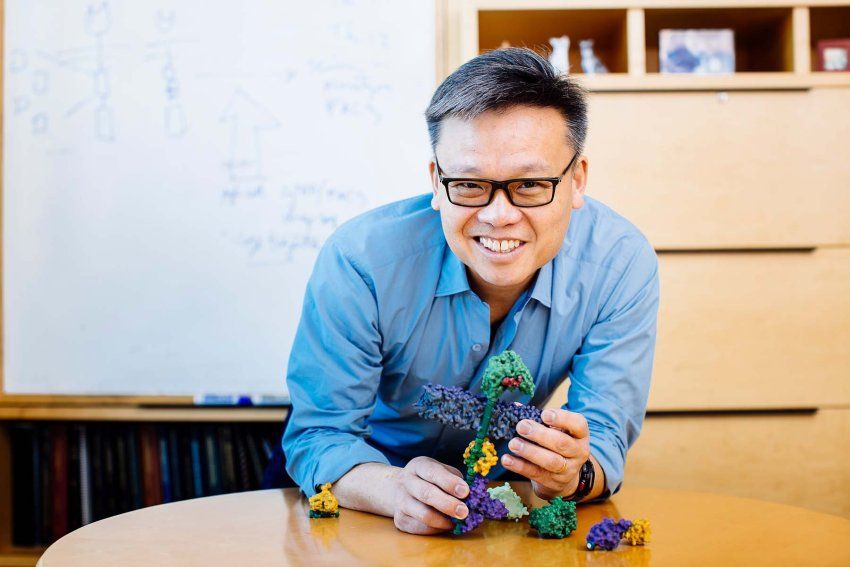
(550, 455)
(428, 496)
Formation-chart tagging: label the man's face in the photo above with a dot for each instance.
(522, 141)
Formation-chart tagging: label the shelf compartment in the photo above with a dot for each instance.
(828, 22)
(763, 36)
(533, 28)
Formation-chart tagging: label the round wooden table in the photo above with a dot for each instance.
(271, 527)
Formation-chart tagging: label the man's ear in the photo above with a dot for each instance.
(435, 186)
(579, 179)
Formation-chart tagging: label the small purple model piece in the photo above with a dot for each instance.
(480, 499)
(606, 534)
(481, 506)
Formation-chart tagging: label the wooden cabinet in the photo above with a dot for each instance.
(742, 183)
(801, 459)
(706, 170)
(744, 330)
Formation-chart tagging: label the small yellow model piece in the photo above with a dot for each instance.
(324, 504)
(638, 533)
(490, 458)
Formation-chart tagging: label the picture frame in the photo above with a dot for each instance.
(696, 51)
(834, 55)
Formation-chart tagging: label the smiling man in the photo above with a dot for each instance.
(507, 252)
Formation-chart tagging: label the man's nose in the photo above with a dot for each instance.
(500, 211)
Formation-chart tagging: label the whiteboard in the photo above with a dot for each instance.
(171, 169)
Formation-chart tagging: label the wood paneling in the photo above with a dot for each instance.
(753, 330)
(716, 170)
(802, 460)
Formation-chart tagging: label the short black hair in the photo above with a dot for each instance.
(499, 79)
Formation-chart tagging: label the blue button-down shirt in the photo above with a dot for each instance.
(389, 309)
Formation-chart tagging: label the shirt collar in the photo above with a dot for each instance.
(452, 275)
(542, 291)
(453, 279)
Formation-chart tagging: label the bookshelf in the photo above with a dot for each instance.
(45, 418)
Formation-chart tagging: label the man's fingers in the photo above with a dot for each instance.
(527, 469)
(434, 497)
(413, 526)
(548, 460)
(452, 470)
(553, 439)
(434, 472)
(426, 515)
(573, 423)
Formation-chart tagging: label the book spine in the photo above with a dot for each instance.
(38, 506)
(177, 490)
(23, 447)
(73, 494)
(59, 477)
(254, 458)
(86, 515)
(150, 467)
(213, 476)
(242, 460)
(197, 474)
(110, 473)
(228, 461)
(96, 463)
(134, 467)
(186, 470)
(165, 467)
(124, 499)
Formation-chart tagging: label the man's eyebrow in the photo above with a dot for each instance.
(521, 170)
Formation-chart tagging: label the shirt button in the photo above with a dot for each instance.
(476, 347)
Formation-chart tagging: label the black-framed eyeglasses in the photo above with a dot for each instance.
(525, 192)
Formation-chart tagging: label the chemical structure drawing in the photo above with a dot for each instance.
(175, 123)
(91, 62)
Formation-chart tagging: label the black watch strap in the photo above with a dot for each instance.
(586, 476)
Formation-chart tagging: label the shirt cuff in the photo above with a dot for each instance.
(609, 458)
(332, 463)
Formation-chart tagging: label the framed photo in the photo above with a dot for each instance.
(834, 54)
(697, 52)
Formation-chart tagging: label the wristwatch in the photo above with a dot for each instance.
(586, 476)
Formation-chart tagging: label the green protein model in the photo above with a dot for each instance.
(557, 519)
(505, 371)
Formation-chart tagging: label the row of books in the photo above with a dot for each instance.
(67, 475)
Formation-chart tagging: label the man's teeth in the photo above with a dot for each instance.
(499, 245)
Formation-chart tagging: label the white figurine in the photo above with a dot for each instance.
(560, 56)
(590, 63)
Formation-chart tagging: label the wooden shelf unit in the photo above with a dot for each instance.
(775, 42)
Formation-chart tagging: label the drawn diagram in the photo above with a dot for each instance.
(97, 24)
(89, 61)
(174, 111)
(247, 121)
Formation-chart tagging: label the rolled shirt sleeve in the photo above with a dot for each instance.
(333, 374)
(610, 374)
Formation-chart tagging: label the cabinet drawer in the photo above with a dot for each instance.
(736, 170)
(753, 330)
(797, 459)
